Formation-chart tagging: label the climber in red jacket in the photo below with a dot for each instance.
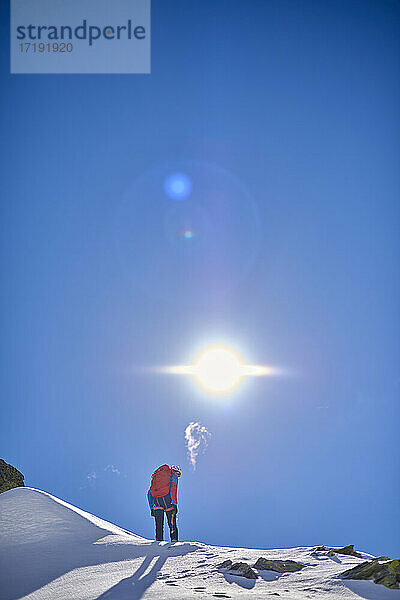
(162, 497)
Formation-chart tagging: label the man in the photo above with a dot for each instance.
(162, 497)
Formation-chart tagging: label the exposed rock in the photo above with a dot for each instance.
(243, 569)
(239, 568)
(387, 574)
(381, 558)
(280, 566)
(348, 550)
(225, 564)
(10, 477)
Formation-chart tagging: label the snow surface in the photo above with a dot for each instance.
(50, 550)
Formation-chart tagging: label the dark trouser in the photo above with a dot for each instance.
(171, 518)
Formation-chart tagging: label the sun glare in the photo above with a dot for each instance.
(220, 370)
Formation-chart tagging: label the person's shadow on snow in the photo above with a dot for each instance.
(133, 587)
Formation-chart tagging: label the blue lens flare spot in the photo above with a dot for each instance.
(177, 186)
(177, 219)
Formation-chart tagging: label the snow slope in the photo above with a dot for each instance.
(50, 550)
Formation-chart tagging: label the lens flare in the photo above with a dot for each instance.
(177, 186)
(182, 218)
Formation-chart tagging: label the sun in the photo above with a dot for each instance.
(219, 370)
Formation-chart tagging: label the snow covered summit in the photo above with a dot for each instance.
(50, 550)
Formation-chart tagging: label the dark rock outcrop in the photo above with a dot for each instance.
(348, 550)
(239, 568)
(386, 573)
(279, 566)
(225, 565)
(10, 477)
(243, 569)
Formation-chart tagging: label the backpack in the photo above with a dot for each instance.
(161, 481)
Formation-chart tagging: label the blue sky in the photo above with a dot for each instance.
(285, 117)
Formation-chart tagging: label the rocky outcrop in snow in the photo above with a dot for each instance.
(262, 564)
(387, 573)
(239, 568)
(10, 477)
(279, 566)
(346, 550)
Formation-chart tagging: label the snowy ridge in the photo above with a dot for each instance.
(50, 550)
